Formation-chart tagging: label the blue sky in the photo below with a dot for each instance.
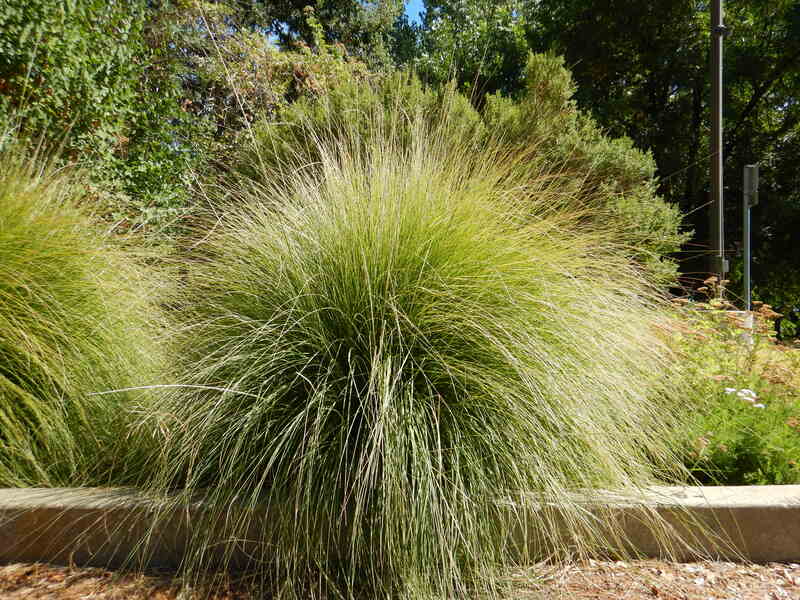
(413, 8)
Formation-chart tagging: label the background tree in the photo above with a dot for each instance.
(148, 88)
(481, 44)
(141, 92)
(642, 70)
(364, 28)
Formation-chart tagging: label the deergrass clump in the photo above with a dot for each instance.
(75, 319)
(386, 358)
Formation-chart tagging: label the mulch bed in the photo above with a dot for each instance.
(590, 580)
(655, 579)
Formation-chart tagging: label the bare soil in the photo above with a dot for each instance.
(591, 580)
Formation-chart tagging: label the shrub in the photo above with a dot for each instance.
(743, 409)
(75, 316)
(62, 67)
(386, 356)
(610, 175)
(748, 438)
(89, 79)
(346, 114)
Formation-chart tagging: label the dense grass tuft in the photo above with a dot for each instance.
(75, 319)
(388, 357)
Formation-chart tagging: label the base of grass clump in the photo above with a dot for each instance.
(389, 356)
(75, 319)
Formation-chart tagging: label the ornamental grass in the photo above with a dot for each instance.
(77, 321)
(383, 360)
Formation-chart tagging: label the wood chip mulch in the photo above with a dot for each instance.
(36, 581)
(659, 580)
(590, 580)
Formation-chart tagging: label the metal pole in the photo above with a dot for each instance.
(718, 262)
(749, 199)
(746, 236)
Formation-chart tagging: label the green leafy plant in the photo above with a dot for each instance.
(383, 355)
(743, 402)
(747, 439)
(90, 80)
(76, 319)
(63, 68)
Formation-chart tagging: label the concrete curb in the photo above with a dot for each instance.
(105, 527)
(85, 526)
(740, 523)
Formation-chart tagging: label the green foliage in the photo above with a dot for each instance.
(346, 114)
(237, 79)
(617, 50)
(381, 352)
(610, 175)
(542, 134)
(364, 28)
(62, 67)
(747, 440)
(75, 319)
(743, 407)
(81, 78)
(249, 78)
(481, 45)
